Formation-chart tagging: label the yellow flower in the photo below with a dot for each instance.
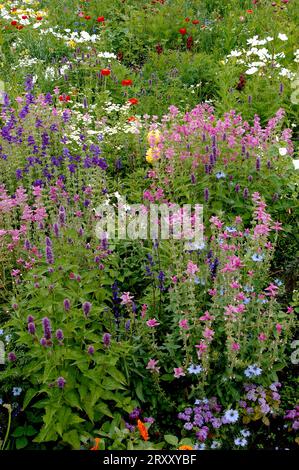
(152, 154)
(154, 137)
(71, 43)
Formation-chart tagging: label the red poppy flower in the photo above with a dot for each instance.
(87, 17)
(249, 11)
(20, 26)
(159, 49)
(189, 43)
(100, 19)
(187, 20)
(24, 17)
(67, 98)
(39, 18)
(126, 82)
(133, 101)
(183, 31)
(14, 23)
(105, 72)
(61, 98)
(195, 21)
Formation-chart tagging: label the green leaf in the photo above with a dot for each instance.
(72, 438)
(21, 442)
(170, 439)
(103, 408)
(30, 431)
(19, 431)
(31, 393)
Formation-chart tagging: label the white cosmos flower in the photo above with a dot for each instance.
(282, 37)
(251, 71)
(282, 151)
(296, 164)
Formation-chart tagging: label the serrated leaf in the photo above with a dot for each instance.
(170, 439)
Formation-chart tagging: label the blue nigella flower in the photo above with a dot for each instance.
(16, 391)
(220, 175)
(257, 257)
(231, 229)
(193, 369)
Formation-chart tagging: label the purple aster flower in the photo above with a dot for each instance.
(11, 357)
(188, 426)
(61, 382)
(86, 308)
(206, 194)
(106, 339)
(66, 305)
(202, 434)
(59, 335)
(31, 328)
(47, 328)
(135, 413)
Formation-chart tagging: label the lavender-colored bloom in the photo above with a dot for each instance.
(29, 83)
(47, 328)
(49, 254)
(11, 357)
(206, 194)
(150, 420)
(62, 215)
(245, 193)
(130, 427)
(86, 307)
(31, 328)
(56, 230)
(258, 164)
(90, 350)
(30, 319)
(43, 342)
(66, 305)
(127, 325)
(61, 382)
(188, 426)
(59, 335)
(237, 188)
(202, 434)
(249, 99)
(135, 414)
(106, 339)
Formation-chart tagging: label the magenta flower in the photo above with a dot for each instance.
(178, 372)
(152, 365)
(126, 298)
(208, 334)
(262, 337)
(184, 324)
(192, 268)
(152, 323)
(278, 328)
